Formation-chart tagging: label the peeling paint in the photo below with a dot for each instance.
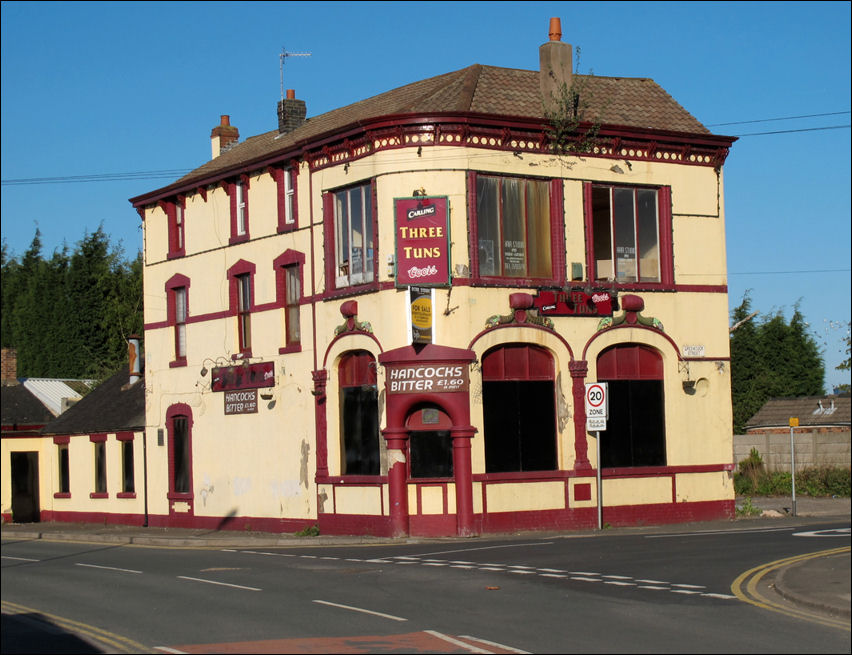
(563, 412)
(303, 469)
(322, 497)
(241, 486)
(395, 457)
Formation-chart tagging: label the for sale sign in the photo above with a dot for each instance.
(596, 400)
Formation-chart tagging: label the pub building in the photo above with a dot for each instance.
(383, 319)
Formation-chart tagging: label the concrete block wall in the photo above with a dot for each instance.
(818, 447)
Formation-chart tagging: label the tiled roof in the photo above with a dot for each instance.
(487, 90)
(21, 407)
(810, 410)
(109, 407)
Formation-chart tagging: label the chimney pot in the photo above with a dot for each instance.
(555, 32)
(225, 120)
(291, 94)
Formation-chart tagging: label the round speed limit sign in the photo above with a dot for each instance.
(596, 400)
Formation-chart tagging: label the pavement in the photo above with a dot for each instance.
(817, 583)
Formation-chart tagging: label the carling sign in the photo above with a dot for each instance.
(422, 241)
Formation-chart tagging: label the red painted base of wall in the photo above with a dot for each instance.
(355, 524)
(241, 523)
(419, 525)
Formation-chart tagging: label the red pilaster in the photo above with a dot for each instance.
(462, 471)
(320, 379)
(397, 443)
(579, 369)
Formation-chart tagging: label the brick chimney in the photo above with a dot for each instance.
(9, 366)
(291, 112)
(223, 135)
(555, 65)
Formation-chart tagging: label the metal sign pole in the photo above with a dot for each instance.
(598, 467)
(793, 467)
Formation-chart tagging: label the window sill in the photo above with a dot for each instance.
(126, 494)
(354, 479)
(98, 494)
(178, 363)
(240, 238)
(177, 254)
(292, 348)
(62, 494)
(353, 290)
(174, 495)
(243, 354)
(287, 227)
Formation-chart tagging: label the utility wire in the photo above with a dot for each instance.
(98, 177)
(784, 118)
(154, 175)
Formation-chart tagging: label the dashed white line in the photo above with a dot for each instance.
(494, 644)
(620, 583)
(468, 647)
(21, 559)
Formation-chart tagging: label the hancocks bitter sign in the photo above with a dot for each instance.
(422, 241)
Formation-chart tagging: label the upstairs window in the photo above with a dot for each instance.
(239, 200)
(175, 216)
(630, 234)
(288, 279)
(241, 278)
(518, 228)
(177, 314)
(353, 229)
(287, 211)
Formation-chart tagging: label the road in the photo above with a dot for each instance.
(660, 592)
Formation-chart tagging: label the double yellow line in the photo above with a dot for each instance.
(745, 587)
(115, 643)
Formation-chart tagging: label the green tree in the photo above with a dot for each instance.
(771, 358)
(845, 364)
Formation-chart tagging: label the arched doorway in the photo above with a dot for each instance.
(430, 444)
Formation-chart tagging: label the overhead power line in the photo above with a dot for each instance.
(98, 177)
(804, 129)
(783, 118)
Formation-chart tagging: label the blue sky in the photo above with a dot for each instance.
(98, 89)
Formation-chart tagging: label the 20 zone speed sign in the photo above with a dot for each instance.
(596, 401)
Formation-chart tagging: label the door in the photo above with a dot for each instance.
(25, 502)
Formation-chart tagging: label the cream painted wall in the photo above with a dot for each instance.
(253, 465)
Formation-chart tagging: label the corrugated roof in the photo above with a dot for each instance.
(485, 90)
(810, 410)
(112, 406)
(51, 391)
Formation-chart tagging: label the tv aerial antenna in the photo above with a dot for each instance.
(284, 54)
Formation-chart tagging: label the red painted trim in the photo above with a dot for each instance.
(124, 436)
(231, 189)
(700, 288)
(125, 494)
(529, 326)
(62, 494)
(176, 233)
(657, 471)
(62, 440)
(504, 130)
(96, 494)
(354, 524)
(174, 411)
(636, 326)
(279, 175)
(99, 437)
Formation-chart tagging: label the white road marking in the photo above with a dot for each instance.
(361, 609)
(468, 647)
(107, 568)
(222, 584)
(166, 649)
(494, 644)
(21, 559)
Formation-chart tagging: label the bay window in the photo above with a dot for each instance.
(353, 230)
(517, 228)
(630, 234)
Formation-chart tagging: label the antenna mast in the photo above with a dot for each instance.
(284, 54)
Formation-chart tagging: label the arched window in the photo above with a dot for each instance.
(359, 414)
(636, 428)
(519, 405)
(179, 424)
